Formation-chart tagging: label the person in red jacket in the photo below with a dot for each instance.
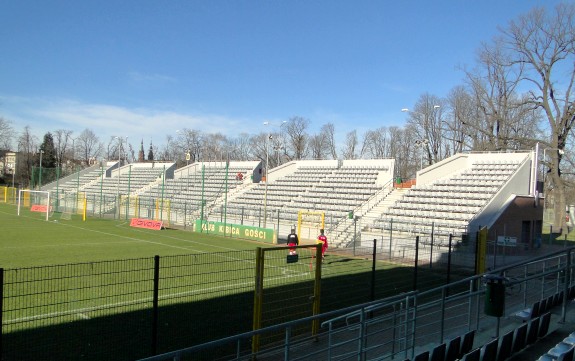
(323, 240)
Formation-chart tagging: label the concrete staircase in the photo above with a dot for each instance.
(345, 231)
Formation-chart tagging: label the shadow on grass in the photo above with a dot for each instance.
(128, 336)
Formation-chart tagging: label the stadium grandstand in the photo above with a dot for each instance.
(359, 199)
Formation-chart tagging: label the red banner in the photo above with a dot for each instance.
(146, 223)
(39, 208)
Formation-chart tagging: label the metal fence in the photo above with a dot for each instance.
(402, 326)
(118, 310)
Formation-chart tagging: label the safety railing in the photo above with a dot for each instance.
(399, 327)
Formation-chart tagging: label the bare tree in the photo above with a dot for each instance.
(458, 130)
(351, 142)
(542, 46)
(297, 137)
(89, 145)
(503, 119)
(426, 124)
(328, 133)
(6, 134)
(214, 147)
(167, 152)
(27, 147)
(376, 143)
(62, 145)
(319, 147)
(401, 148)
(240, 147)
(190, 141)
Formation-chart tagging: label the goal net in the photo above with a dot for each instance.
(36, 202)
(309, 223)
(70, 204)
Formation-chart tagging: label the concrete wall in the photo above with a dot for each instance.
(510, 221)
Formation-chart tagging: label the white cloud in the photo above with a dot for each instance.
(44, 115)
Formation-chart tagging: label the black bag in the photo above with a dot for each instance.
(292, 258)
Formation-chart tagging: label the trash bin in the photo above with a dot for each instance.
(494, 295)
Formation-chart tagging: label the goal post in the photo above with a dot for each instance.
(36, 201)
(309, 223)
(72, 204)
(286, 289)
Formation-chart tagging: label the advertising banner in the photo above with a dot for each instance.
(236, 231)
(146, 223)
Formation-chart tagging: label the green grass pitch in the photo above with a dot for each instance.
(29, 240)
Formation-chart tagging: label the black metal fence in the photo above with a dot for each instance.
(128, 309)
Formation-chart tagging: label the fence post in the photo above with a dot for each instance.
(373, 270)
(1, 308)
(431, 245)
(449, 260)
(155, 305)
(415, 268)
(566, 286)
(317, 289)
(258, 293)
(185, 214)
(390, 236)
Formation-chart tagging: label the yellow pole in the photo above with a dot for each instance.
(481, 250)
(84, 206)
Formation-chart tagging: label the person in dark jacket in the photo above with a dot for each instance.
(292, 242)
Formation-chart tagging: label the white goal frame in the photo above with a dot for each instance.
(48, 205)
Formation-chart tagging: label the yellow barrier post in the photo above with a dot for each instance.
(481, 250)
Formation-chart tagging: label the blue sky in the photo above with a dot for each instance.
(144, 69)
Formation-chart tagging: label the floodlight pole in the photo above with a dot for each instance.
(268, 138)
(119, 166)
(266, 184)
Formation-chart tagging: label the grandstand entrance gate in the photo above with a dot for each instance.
(287, 288)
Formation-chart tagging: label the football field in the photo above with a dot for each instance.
(29, 240)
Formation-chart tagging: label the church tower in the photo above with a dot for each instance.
(141, 152)
(151, 152)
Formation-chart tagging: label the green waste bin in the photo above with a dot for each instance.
(494, 295)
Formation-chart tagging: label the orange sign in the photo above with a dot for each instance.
(39, 208)
(146, 223)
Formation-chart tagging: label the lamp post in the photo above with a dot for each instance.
(119, 163)
(268, 138)
(73, 147)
